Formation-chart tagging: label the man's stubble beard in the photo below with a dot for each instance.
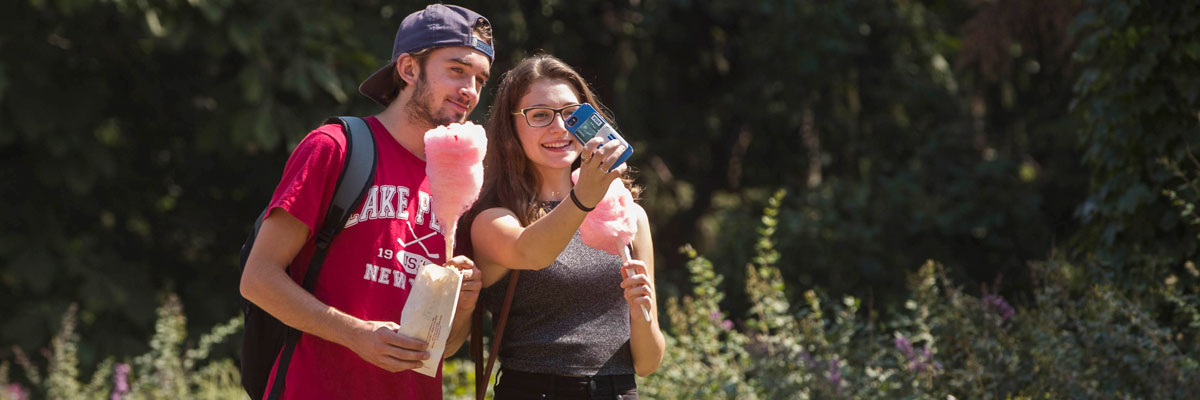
(420, 108)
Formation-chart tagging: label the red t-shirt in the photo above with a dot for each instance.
(370, 266)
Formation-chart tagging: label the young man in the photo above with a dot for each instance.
(349, 347)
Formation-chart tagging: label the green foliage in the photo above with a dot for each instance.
(138, 134)
(171, 370)
(146, 133)
(1081, 336)
(710, 354)
(896, 145)
(1077, 339)
(1137, 99)
(458, 379)
(1184, 298)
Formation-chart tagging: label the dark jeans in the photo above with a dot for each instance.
(517, 385)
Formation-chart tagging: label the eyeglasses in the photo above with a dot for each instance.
(538, 117)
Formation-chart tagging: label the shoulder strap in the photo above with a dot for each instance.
(477, 351)
(481, 386)
(356, 177)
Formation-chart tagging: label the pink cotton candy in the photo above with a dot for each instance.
(454, 164)
(611, 226)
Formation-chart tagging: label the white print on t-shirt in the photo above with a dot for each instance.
(410, 262)
(391, 202)
(418, 241)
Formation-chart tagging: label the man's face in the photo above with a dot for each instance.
(448, 85)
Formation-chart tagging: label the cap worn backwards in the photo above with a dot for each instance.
(438, 25)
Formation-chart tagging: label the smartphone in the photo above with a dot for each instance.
(585, 123)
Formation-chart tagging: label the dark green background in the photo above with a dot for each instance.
(139, 139)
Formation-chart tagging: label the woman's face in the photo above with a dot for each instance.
(550, 146)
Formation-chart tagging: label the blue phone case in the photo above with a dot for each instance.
(586, 123)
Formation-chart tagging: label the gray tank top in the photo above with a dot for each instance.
(567, 319)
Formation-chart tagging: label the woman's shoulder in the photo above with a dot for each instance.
(639, 212)
(493, 216)
(493, 212)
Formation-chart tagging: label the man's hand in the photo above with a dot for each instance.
(468, 294)
(378, 343)
(471, 284)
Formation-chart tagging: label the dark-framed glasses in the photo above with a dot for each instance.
(539, 116)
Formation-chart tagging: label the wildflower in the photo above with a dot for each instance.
(727, 325)
(904, 346)
(715, 316)
(996, 304)
(807, 359)
(835, 374)
(120, 381)
(916, 362)
(14, 391)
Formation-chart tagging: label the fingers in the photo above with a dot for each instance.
(594, 174)
(589, 149)
(401, 352)
(471, 275)
(392, 364)
(635, 281)
(641, 295)
(602, 155)
(390, 350)
(639, 301)
(611, 152)
(462, 263)
(634, 276)
(472, 282)
(404, 358)
(398, 341)
(639, 290)
(618, 171)
(638, 266)
(469, 294)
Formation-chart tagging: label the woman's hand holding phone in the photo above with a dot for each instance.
(594, 175)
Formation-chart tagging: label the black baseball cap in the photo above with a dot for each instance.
(438, 25)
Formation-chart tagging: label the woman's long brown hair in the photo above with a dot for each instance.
(509, 178)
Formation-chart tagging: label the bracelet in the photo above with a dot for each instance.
(578, 204)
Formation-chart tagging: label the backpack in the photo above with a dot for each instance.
(265, 336)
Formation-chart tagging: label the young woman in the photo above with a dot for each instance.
(575, 329)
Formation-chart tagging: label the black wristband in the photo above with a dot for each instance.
(579, 204)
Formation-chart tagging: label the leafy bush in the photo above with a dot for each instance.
(170, 370)
(1078, 336)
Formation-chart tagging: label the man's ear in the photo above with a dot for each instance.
(408, 68)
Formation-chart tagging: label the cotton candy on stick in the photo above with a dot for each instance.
(454, 164)
(610, 226)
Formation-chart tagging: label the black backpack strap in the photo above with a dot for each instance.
(356, 177)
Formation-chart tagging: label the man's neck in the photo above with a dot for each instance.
(406, 130)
